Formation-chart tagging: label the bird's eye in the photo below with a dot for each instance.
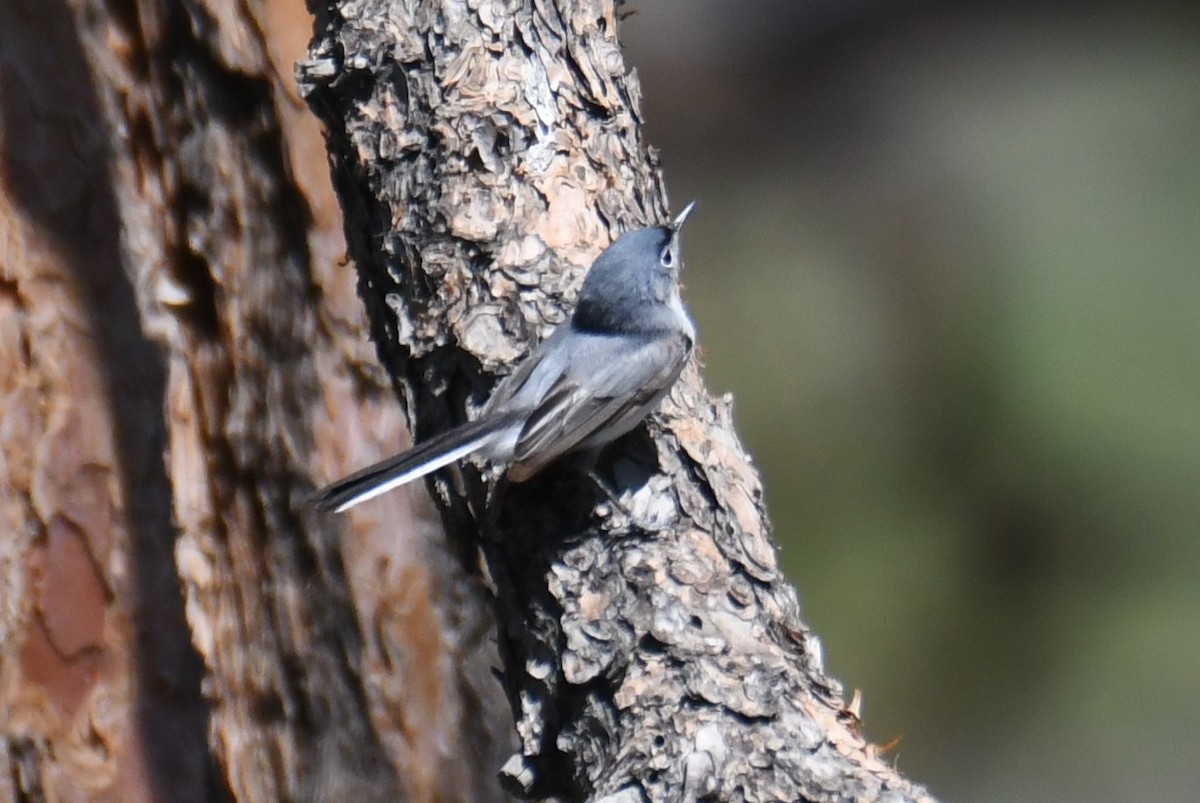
(667, 257)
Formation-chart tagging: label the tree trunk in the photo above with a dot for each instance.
(485, 153)
(170, 282)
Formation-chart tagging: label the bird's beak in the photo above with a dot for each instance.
(678, 222)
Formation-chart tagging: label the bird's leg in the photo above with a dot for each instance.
(587, 463)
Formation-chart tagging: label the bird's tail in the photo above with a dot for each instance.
(427, 457)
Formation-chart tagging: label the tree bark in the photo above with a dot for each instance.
(169, 282)
(485, 152)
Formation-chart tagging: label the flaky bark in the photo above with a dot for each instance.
(485, 152)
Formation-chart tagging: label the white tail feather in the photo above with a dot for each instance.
(414, 473)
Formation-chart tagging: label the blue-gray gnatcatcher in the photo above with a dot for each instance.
(593, 380)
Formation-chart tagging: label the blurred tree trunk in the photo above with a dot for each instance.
(170, 283)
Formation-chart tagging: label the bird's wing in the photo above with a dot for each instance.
(527, 385)
(607, 389)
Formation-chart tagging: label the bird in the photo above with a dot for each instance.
(603, 370)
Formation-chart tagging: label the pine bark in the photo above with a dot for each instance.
(485, 152)
(182, 360)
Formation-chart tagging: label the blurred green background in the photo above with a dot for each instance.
(947, 259)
